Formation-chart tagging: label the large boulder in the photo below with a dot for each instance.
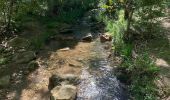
(64, 92)
(24, 57)
(56, 80)
(4, 81)
(19, 43)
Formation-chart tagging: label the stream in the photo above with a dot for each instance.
(97, 78)
(98, 81)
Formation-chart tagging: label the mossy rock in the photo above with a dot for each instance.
(24, 57)
(19, 43)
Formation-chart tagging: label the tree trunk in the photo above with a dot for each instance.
(10, 11)
(129, 21)
(128, 15)
(50, 7)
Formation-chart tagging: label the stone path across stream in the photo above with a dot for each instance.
(72, 56)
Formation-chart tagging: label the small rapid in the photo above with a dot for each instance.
(98, 81)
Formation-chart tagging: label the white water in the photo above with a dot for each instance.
(98, 81)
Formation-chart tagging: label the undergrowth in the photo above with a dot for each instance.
(69, 13)
(140, 74)
(137, 73)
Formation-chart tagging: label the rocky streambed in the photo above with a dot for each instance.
(73, 65)
(97, 78)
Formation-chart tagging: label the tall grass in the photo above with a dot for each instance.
(115, 26)
(140, 75)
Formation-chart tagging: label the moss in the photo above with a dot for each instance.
(3, 61)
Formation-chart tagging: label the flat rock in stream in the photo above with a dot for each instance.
(64, 92)
(57, 80)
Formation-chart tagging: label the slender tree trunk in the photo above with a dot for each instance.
(10, 11)
(128, 15)
(50, 7)
(129, 21)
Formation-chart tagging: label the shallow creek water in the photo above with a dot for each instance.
(97, 79)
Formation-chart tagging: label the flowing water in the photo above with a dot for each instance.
(97, 79)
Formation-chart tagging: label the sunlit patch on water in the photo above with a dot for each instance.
(101, 86)
(86, 90)
(97, 79)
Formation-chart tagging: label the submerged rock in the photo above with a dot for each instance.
(57, 80)
(4, 81)
(64, 92)
(24, 57)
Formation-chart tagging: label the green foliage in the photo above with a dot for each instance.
(117, 28)
(140, 74)
(70, 16)
(125, 50)
(39, 41)
(167, 3)
(3, 61)
(69, 11)
(114, 26)
(146, 16)
(12, 11)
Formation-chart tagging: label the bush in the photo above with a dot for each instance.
(39, 41)
(140, 74)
